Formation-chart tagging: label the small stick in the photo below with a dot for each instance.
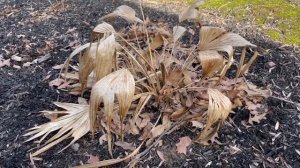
(287, 101)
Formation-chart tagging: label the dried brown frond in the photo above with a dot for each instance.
(75, 52)
(74, 122)
(120, 84)
(219, 108)
(218, 39)
(211, 62)
(214, 38)
(105, 55)
(87, 64)
(124, 12)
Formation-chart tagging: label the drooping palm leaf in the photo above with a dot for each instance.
(219, 108)
(120, 84)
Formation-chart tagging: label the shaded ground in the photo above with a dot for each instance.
(33, 29)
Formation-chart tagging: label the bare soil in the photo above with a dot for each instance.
(31, 29)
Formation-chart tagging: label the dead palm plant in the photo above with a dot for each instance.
(147, 64)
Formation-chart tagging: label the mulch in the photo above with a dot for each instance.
(34, 29)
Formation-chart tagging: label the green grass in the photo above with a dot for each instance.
(278, 19)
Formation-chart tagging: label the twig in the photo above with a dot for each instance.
(287, 101)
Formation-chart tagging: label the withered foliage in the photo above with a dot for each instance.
(149, 64)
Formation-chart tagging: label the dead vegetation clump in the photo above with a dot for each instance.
(149, 64)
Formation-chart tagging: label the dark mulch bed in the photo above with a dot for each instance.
(24, 93)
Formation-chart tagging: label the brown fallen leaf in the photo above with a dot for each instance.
(110, 161)
(183, 143)
(257, 118)
(161, 156)
(92, 159)
(133, 129)
(251, 106)
(178, 113)
(60, 83)
(141, 123)
(125, 145)
(158, 130)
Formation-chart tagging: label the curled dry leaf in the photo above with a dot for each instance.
(183, 143)
(124, 12)
(219, 107)
(74, 123)
(120, 84)
(191, 12)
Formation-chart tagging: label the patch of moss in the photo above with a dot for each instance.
(273, 34)
(279, 19)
